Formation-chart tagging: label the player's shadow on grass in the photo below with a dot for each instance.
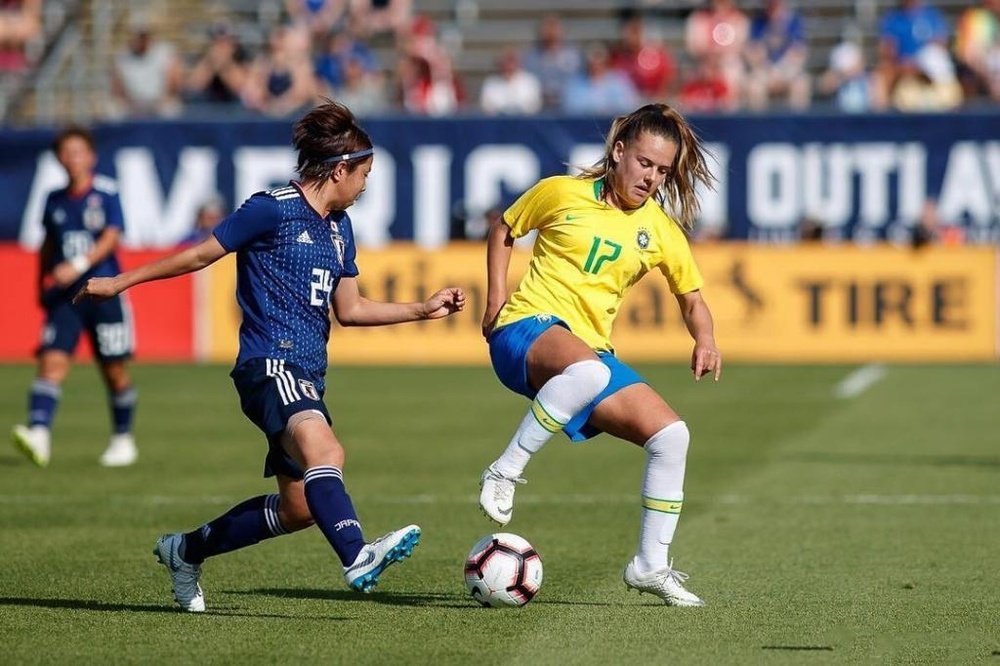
(101, 606)
(933, 460)
(85, 604)
(410, 599)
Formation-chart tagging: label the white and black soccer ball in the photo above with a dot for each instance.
(503, 570)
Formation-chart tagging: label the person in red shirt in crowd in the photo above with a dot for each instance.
(646, 61)
(20, 23)
(707, 90)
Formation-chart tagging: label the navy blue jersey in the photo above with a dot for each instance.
(74, 221)
(289, 260)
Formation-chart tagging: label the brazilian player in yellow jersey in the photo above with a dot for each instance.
(550, 340)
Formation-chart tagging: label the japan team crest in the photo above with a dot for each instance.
(93, 215)
(308, 389)
(338, 242)
(642, 239)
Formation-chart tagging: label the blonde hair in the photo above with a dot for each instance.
(689, 168)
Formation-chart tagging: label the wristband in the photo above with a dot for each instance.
(80, 264)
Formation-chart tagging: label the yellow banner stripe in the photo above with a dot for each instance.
(664, 506)
(544, 418)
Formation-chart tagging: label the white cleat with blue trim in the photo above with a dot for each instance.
(184, 576)
(378, 555)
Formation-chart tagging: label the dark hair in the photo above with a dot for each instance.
(690, 165)
(328, 130)
(71, 132)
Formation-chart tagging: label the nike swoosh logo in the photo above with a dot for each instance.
(505, 513)
(573, 217)
(368, 560)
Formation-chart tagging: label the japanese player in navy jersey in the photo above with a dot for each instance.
(83, 223)
(295, 258)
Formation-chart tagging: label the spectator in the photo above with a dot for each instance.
(777, 57)
(511, 90)
(977, 50)
(147, 77)
(902, 34)
(645, 60)
(552, 61)
(707, 90)
(601, 90)
(426, 88)
(220, 75)
(362, 91)
(206, 219)
(376, 16)
(342, 47)
(427, 81)
(719, 32)
(20, 26)
(320, 17)
(281, 81)
(932, 86)
(845, 78)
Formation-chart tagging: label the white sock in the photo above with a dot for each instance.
(662, 494)
(558, 401)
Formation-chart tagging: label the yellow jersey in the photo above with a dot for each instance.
(587, 254)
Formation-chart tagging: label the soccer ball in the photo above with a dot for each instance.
(503, 570)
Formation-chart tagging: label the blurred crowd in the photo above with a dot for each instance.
(730, 60)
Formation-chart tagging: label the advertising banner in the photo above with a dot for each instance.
(860, 178)
(162, 312)
(790, 304)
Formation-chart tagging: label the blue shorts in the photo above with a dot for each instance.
(271, 392)
(108, 325)
(509, 353)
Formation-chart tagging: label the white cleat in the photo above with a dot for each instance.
(184, 576)
(121, 451)
(667, 584)
(34, 442)
(378, 555)
(496, 495)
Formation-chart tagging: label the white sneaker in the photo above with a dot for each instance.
(184, 576)
(376, 556)
(33, 442)
(121, 451)
(667, 584)
(496, 497)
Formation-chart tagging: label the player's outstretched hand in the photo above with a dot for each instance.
(445, 302)
(705, 360)
(97, 289)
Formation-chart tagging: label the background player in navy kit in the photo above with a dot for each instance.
(83, 223)
(295, 254)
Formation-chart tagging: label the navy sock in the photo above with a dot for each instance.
(42, 402)
(245, 524)
(122, 408)
(333, 512)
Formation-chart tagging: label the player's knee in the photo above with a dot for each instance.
(670, 444)
(295, 516)
(590, 373)
(311, 435)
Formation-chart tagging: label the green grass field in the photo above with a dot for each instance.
(818, 529)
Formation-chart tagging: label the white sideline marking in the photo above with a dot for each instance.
(572, 499)
(859, 381)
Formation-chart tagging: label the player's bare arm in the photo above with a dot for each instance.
(352, 309)
(705, 358)
(186, 261)
(499, 246)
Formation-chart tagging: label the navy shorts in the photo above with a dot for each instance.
(271, 392)
(108, 325)
(509, 353)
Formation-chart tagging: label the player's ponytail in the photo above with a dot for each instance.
(678, 192)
